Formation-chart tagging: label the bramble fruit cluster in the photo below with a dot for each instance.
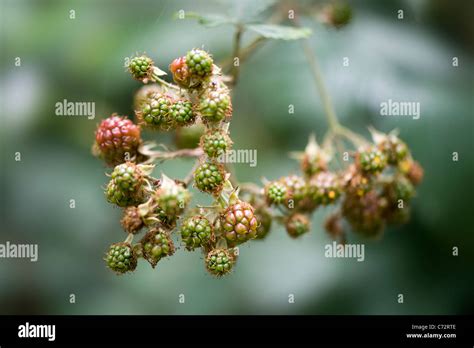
(373, 191)
(199, 109)
(367, 193)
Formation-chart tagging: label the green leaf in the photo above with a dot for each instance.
(280, 32)
(209, 20)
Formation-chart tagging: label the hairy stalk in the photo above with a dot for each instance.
(164, 155)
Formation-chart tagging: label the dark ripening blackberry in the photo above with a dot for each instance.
(121, 258)
(196, 232)
(220, 262)
(365, 214)
(239, 223)
(209, 177)
(117, 139)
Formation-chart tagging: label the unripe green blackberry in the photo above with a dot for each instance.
(117, 138)
(276, 193)
(156, 244)
(199, 62)
(297, 225)
(189, 137)
(141, 67)
(155, 111)
(209, 177)
(220, 262)
(141, 95)
(215, 105)
(312, 164)
(121, 258)
(196, 231)
(396, 215)
(181, 113)
(333, 227)
(125, 186)
(181, 73)
(239, 223)
(215, 143)
(264, 218)
(325, 188)
(171, 197)
(371, 160)
(131, 220)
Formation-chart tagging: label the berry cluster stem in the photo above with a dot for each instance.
(335, 126)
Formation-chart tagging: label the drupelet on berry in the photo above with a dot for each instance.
(117, 139)
(209, 177)
(155, 111)
(220, 262)
(126, 185)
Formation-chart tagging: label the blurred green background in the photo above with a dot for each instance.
(82, 60)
